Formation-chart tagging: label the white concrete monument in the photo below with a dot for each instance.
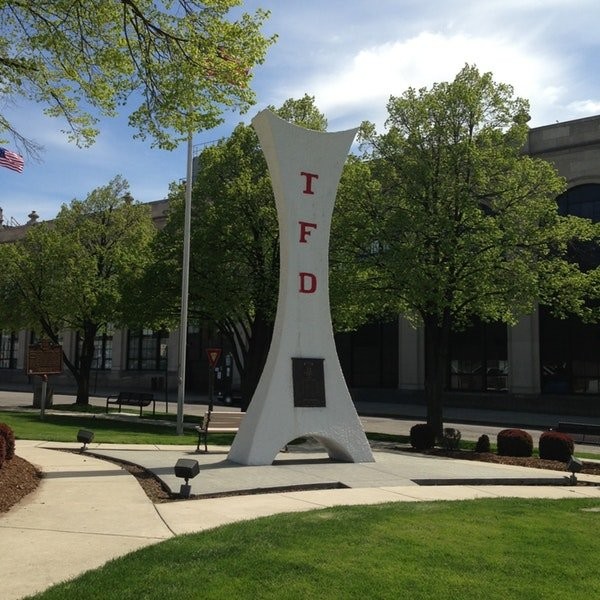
(302, 391)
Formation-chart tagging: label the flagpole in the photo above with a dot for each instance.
(185, 276)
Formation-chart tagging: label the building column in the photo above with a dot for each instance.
(24, 337)
(411, 357)
(173, 351)
(524, 355)
(119, 352)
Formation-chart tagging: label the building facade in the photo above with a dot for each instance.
(542, 363)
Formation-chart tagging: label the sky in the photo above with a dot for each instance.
(351, 55)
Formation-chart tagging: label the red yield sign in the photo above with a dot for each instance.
(213, 356)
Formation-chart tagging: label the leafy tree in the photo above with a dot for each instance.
(455, 222)
(234, 267)
(182, 61)
(75, 272)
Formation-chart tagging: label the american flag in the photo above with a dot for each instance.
(11, 160)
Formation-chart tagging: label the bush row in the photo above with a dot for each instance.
(553, 445)
(7, 443)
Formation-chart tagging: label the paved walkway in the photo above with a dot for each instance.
(87, 511)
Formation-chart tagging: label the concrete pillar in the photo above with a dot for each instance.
(119, 351)
(173, 351)
(24, 337)
(524, 355)
(302, 391)
(411, 368)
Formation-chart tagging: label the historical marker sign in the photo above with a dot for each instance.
(309, 382)
(44, 358)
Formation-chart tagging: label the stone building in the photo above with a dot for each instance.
(123, 360)
(543, 363)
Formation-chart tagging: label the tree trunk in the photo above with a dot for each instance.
(80, 369)
(437, 340)
(255, 358)
(86, 358)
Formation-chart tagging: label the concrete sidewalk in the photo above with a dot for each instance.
(84, 512)
(87, 511)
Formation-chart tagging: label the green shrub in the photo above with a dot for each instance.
(2, 451)
(9, 437)
(451, 438)
(483, 444)
(422, 436)
(514, 442)
(556, 446)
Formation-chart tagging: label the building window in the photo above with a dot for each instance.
(369, 355)
(582, 201)
(570, 348)
(103, 348)
(9, 348)
(569, 355)
(479, 358)
(147, 350)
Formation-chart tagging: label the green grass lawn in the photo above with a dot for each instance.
(63, 428)
(147, 415)
(483, 549)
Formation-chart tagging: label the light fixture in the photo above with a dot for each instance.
(85, 437)
(187, 469)
(574, 465)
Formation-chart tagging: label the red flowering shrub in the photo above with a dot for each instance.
(2, 451)
(514, 442)
(556, 446)
(9, 437)
(422, 436)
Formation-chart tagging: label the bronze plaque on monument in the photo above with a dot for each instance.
(309, 382)
(44, 358)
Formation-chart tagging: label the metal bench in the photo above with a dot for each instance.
(218, 422)
(140, 399)
(584, 433)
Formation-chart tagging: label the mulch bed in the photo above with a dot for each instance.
(18, 478)
(589, 468)
(151, 484)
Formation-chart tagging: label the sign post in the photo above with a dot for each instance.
(44, 358)
(43, 396)
(213, 355)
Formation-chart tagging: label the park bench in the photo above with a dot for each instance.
(140, 399)
(585, 433)
(218, 422)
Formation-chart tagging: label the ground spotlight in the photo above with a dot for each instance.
(187, 469)
(574, 465)
(85, 437)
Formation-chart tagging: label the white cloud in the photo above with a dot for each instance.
(373, 74)
(584, 107)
